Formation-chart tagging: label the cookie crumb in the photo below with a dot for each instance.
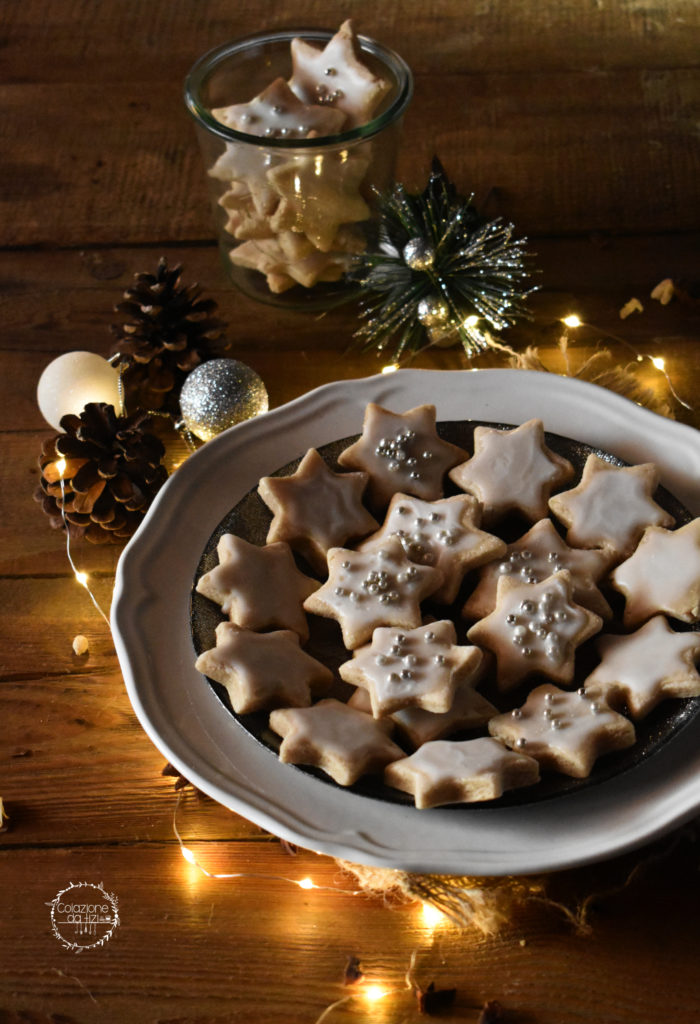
(633, 306)
(664, 291)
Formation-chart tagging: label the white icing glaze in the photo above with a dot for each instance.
(369, 589)
(440, 533)
(424, 458)
(512, 469)
(536, 555)
(663, 574)
(538, 621)
(419, 666)
(335, 76)
(279, 113)
(611, 506)
(644, 665)
(571, 727)
(462, 759)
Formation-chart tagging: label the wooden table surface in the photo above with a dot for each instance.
(577, 119)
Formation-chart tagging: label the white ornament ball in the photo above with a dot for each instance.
(218, 394)
(71, 381)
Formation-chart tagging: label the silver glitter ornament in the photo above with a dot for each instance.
(433, 312)
(418, 254)
(218, 394)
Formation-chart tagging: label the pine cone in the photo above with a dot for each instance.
(113, 471)
(170, 331)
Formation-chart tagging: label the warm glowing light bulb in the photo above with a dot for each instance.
(373, 993)
(82, 579)
(658, 362)
(188, 855)
(431, 915)
(471, 321)
(305, 883)
(390, 368)
(571, 321)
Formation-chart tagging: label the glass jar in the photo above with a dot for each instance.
(293, 205)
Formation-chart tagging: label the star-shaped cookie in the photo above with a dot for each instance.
(512, 471)
(448, 772)
(419, 668)
(663, 575)
(262, 671)
(535, 628)
(315, 509)
(442, 533)
(643, 668)
(534, 556)
(335, 75)
(611, 506)
(367, 589)
(402, 452)
(318, 194)
(469, 710)
(278, 112)
(244, 221)
(343, 742)
(564, 731)
(258, 587)
(288, 259)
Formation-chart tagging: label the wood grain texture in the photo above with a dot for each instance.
(579, 120)
(218, 953)
(609, 126)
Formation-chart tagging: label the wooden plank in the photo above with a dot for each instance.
(164, 41)
(77, 768)
(53, 302)
(578, 156)
(632, 966)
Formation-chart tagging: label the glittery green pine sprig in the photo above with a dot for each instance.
(440, 269)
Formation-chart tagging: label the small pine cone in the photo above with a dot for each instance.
(170, 331)
(112, 472)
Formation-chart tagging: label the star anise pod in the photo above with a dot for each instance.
(99, 477)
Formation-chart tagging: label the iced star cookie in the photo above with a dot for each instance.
(401, 452)
(315, 509)
(447, 772)
(262, 671)
(566, 732)
(336, 76)
(611, 506)
(469, 710)
(534, 556)
(318, 195)
(643, 668)
(258, 587)
(535, 628)
(441, 533)
(419, 668)
(512, 471)
(663, 575)
(278, 112)
(368, 589)
(343, 742)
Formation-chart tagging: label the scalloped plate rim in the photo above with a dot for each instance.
(182, 717)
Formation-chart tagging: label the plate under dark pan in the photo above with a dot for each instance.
(250, 519)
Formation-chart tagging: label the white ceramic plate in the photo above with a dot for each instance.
(189, 725)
